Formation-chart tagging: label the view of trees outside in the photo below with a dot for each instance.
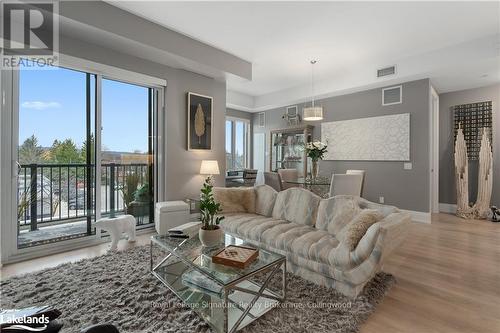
(30, 151)
(61, 152)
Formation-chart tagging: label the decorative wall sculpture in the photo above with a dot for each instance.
(473, 118)
(485, 178)
(385, 138)
(462, 176)
(199, 117)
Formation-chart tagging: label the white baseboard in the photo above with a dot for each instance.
(447, 208)
(421, 217)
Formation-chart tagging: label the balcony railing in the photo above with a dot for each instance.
(50, 193)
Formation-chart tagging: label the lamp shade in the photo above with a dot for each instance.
(313, 113)
(209, 167)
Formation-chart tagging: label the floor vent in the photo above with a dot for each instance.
(386, 71)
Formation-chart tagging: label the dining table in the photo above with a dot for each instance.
(319, 185)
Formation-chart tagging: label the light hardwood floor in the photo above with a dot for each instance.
(448, 275)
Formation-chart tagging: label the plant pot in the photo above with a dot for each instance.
(210, 238)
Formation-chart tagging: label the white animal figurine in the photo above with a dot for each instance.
(116, 226)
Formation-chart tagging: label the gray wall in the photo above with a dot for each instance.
(407, 189)
(182, 167)
(447, 188)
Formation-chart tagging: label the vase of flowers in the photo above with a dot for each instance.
(210, 233)
(315, 151)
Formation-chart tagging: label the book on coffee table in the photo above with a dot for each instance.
(186, 230)
(200, 282)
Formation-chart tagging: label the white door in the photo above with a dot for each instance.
(259, 142)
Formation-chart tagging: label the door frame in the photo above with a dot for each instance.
(434, 150)
(9, 129)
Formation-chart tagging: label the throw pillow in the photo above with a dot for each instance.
(352, 233)
(235, 199)
(336, 212)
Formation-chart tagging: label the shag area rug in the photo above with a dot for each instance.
(118, 288)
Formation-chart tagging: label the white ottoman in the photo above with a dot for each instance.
(170, 214)
(116, 226)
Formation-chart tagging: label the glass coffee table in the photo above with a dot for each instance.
(227, 298)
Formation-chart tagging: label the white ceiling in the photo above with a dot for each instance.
(349, 39)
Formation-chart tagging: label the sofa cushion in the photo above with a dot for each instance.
(352, 233)
(265, 197)
(235, 199)
(282, 236)
(255, 229)
(250, 226)
(296, 205)
(314, 245)
(336, 212)
(232, 221)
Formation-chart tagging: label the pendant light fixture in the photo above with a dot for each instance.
(313, 113)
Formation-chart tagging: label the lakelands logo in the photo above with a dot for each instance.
(30, 33)
(24, 323)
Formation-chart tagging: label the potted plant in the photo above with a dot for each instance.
(128, 190)
(315, 150)
(210, 233)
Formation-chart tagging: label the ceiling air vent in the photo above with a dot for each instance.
(261, 119)
(392, 95)
(386, 71)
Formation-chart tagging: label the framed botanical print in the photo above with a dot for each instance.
(199, 129)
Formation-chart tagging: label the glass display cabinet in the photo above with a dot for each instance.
(287, 149)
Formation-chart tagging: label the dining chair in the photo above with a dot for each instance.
(358, 172)
(273, 179)
(249, 177)
(343, 184)
(286, 175)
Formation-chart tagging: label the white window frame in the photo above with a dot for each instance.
(246, 141)
(9, 87)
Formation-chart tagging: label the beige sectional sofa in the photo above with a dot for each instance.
(318, 236)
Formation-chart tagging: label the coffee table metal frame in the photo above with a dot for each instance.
(271, 269)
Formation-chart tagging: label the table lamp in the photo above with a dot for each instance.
(209, 167)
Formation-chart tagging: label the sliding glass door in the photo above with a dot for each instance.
(59, 152)
(127, 150)
(55, 155)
